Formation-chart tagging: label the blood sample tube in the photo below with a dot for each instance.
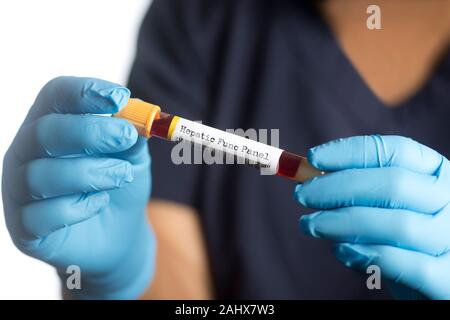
(150, 121)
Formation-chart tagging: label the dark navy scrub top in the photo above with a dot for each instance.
(266, 64)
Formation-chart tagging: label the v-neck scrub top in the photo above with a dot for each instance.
(266, 65)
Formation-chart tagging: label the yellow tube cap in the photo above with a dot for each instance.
(141, 114)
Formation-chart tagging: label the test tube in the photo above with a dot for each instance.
(150, 121)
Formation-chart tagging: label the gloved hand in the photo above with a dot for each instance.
(75, 188)
(386, 203)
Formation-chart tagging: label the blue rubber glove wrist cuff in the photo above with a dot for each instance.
(404, 293)
(127, 281)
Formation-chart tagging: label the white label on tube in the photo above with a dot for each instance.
(253, 152)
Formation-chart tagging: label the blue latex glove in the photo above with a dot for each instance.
(75, 188)
(386, 203)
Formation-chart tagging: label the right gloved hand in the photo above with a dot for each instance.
(75, 188)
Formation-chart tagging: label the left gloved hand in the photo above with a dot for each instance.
(386, 203)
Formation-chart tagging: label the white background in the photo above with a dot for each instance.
(40, 40)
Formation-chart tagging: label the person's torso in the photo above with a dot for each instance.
(269, 65)
(279, 67)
